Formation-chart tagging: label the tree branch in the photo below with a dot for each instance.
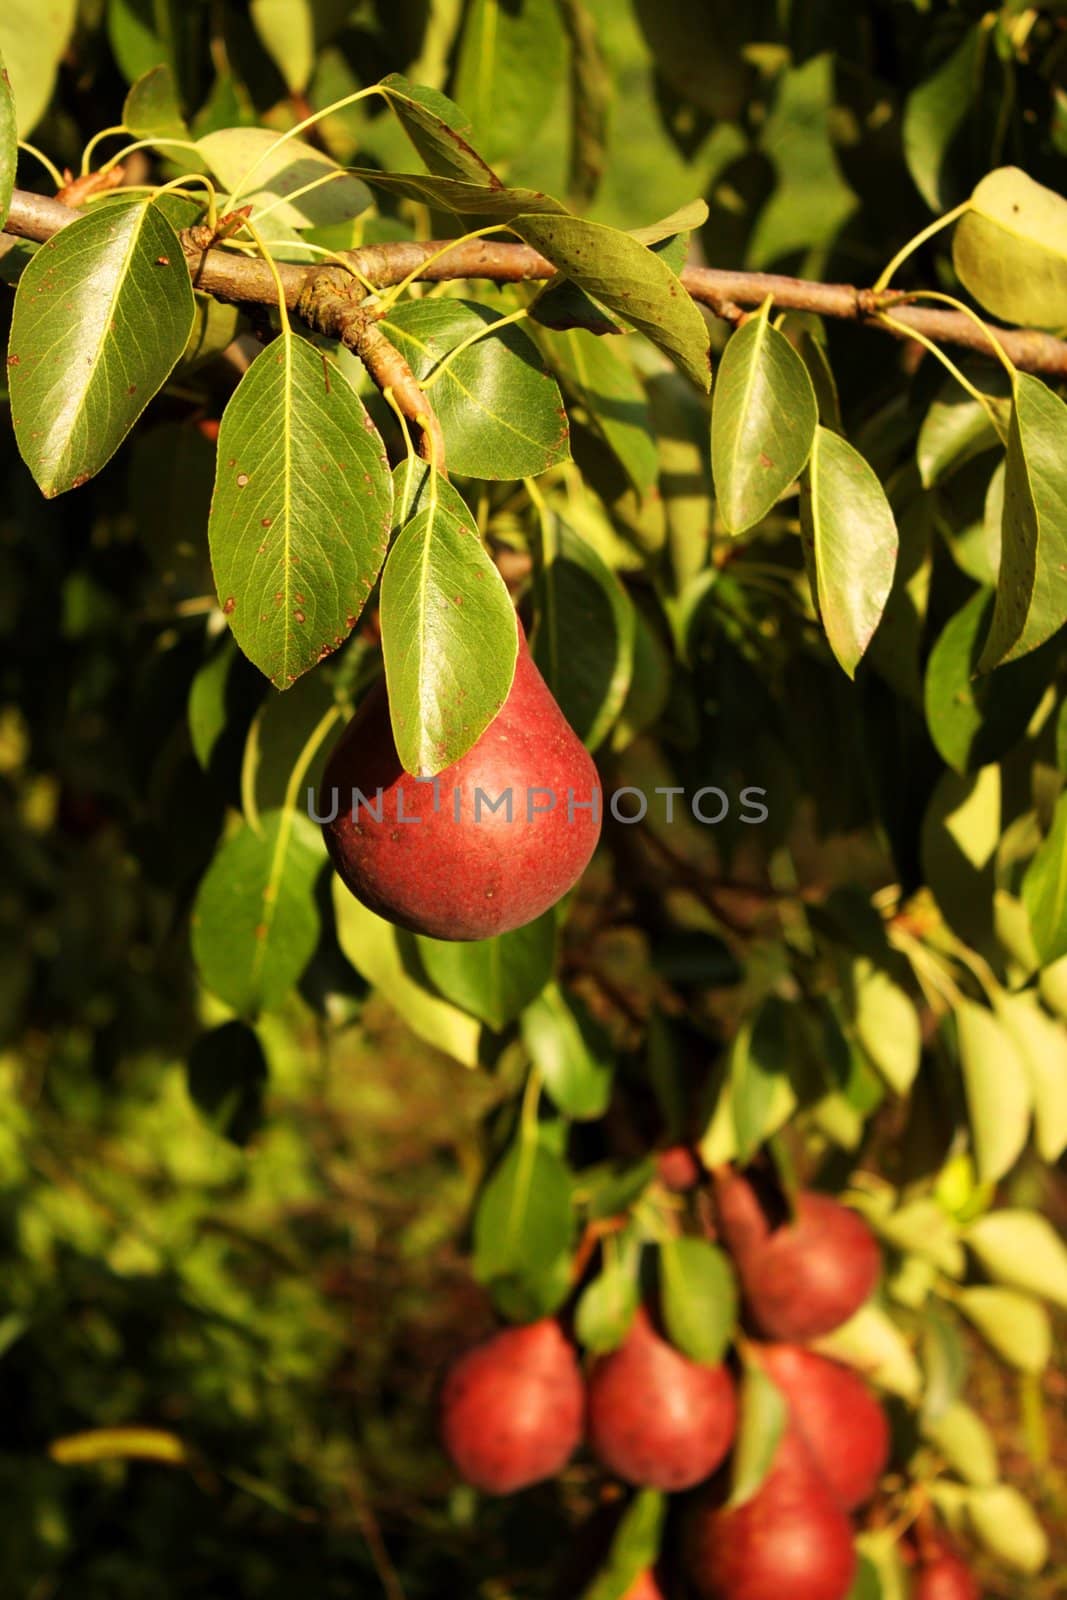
(232, 277)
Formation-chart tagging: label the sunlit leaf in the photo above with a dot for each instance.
(255, 922)
(507, 56)
(571, 1052)
(1010, 249)
(501, 413)
(259, 170)
(1045, 889)
(630, 280)
(83, 365)
(33, 37)
(494, 978)
(301, 510)
(698, 1295)
(762, 422)
(764, 1414)
(448, 637)
(851, 537)
(1031, 602)
(436, 127)
(8, 142)
(1023, 1250)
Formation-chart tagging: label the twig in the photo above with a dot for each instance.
(232, 277)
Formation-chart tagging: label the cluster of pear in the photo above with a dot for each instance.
(516, 1408)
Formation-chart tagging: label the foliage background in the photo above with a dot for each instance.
(275, 1280)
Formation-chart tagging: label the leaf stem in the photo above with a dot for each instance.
(920, 239)
(147, 144)
(49, 166)
(964, 311)
(298, 128)
(946, 361)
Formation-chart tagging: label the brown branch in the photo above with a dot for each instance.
(232, 277)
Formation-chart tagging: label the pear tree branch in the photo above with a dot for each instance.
(228, 276)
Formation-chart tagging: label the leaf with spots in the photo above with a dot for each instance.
(762, 422)
(436, 127)
(630, 280)
(301, 511)
(448, 637)
(500, 411)
(850, 543)
(102, 313)
(256, 922)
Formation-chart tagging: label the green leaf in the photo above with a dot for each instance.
(1022, 1250)
(975, 720)
(998, 1090)
(436, 126)
(610, 392)
(508, 56)
(935, 111)
(449, 639)
(966, 1443)
(1042, 1043)
(630, 280)
(493, 978)
(873, 1344)
(33, 36)
(759, 1057)
(634, 1549)
(886, 1023)
(1015, 1325)
(258, 170)
(608, 1305)
(255, 922)
(763, 422)
(152, 108)
(462, 196)
(699, 1298)
(764, 1413)
(501, 413)
(1008, 1527)
(1010, 249)
(8, 142)
(226, 1076)
(584, 641)
(387, 956)
(571, 1052)
(1045, 889)
(957, 428)
(851, 537)
(1031, 600)
(284, 729)
(207, 706)
(301, 510)
(412, 484)
(172, 468)
(102, 314)
(286, 29)
(524, 1221)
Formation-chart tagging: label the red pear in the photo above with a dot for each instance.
(946, 1576)
(678, 1168)
(790, 1541)
(513, 1408)
(842, 1422)
(485, 846)
(645, 1587)
(656, 1418)
(808, 1275)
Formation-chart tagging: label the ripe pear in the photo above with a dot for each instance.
(804, 1277)
(843, 1424)
(644, 1587)
(790, 1541)
(656, 1418)
(433, 855)
(513, 1408)
(945, 1576)
(678, 1168)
